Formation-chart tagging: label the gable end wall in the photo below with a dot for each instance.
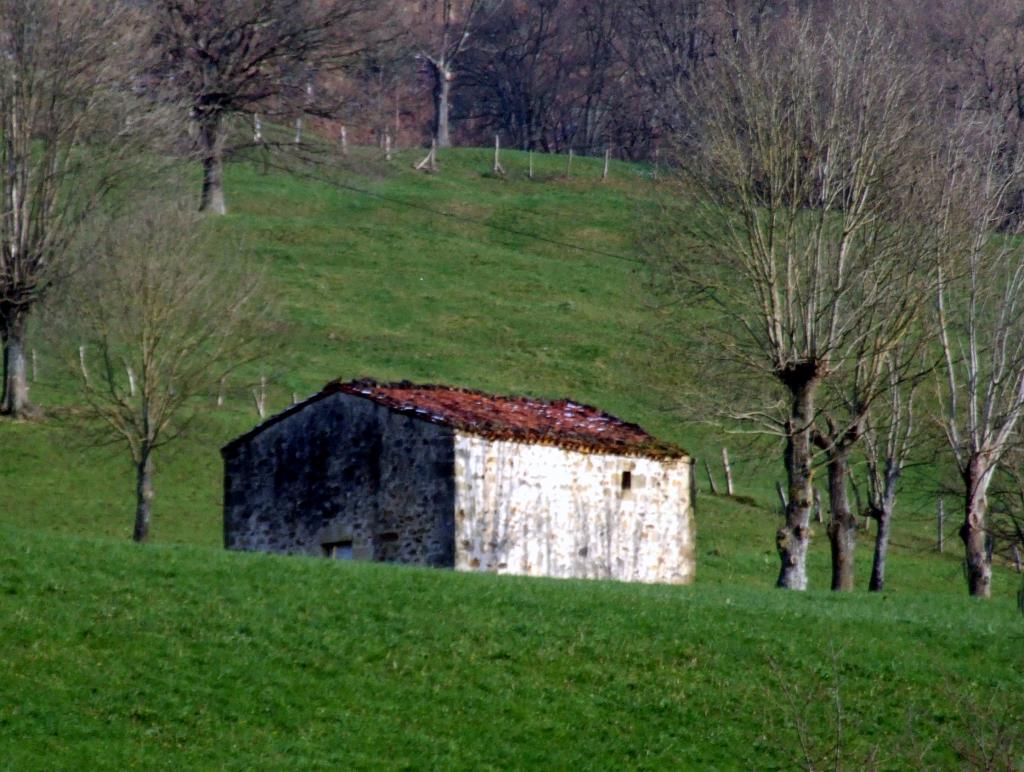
(343, 469)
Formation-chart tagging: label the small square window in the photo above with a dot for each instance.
(627, 481)
(338, 550)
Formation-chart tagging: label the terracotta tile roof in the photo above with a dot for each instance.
(565, 423)
(561, 422)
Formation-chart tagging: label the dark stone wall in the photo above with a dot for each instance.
(343, 469)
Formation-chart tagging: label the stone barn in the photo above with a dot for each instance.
(439, 476)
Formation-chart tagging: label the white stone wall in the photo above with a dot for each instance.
(542, 510)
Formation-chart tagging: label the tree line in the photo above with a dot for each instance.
(851, 219)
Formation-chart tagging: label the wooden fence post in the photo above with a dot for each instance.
(81, 363)
(941, 516)
(387, 145)
(604, 175)
(344, 141)
(782, 496)
(1016, 558)
(531, 165)
(568, 165)
(430, 162)
(711, 479)
(35, 367)
(260, 397)
(498, 168)
(728, 472)
(298, 121)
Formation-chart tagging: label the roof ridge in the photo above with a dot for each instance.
(644, 444)
(593, 430)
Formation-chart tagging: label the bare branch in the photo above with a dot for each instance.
(798, 219)
(167, 324)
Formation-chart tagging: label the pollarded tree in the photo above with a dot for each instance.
(71, 119)
(225, 58)
(796, 195)
(855, 411)
(161, 322)
(871, 394)
(980, 319)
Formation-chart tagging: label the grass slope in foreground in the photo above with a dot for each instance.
(165, 656)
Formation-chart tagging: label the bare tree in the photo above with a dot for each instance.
(836, 434)
(980, 319)
(665, 43)
(546, 74)
(68, 122)
(1007, 508)
(516, 75)
(381, 90)
(449, 28)
(977, 51)
(884, 362)
(161, 323)
(797, 197)
(242, 57)
(889, 432)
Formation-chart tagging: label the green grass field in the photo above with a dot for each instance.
(120, 656)
(177, 653)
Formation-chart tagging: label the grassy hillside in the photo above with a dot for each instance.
(168, 656)
(441, 287)
(511, 285)
(178, 653)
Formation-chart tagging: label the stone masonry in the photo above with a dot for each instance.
(345, 470)
(541, 510)
(452, 478)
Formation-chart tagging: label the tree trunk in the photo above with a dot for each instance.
(884, 518)
(143, 496)
(14, 402)
(793, 538)
(442, 96)
(973, 532)
(882, 511)
(212, 138)
(842, 527)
